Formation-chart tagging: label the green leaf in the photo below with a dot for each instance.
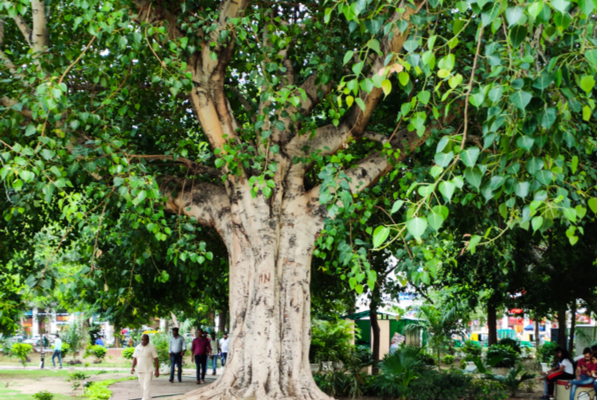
(526, 142)
(513, 15)
(424, 96)
(416, 227)
(522, 189)
(348, 56)
(410, 45)
(521, 99)
(561, 5)
(327, 15)
(544, 177)
(267, 191)
(380, 235)
(473, 176)
(219, 162)
(593, 204)
(548, 117)
(403, 77)
(373, 44)
(443, 159)
(535, 8)
(476, 99)
(469, 156)
(490, 13)
(537, 222)
(435, 220)
(360, 103)
(455, 80)
(397, 205)
(386, 86)
(442, 144)
(587, 83)
(517, 35)
(592, 57)
(447, 190)
(570, 214)
(587, 6)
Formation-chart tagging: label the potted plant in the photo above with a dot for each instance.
(501, 358)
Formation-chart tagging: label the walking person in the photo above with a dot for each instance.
(224, 343)
(200, 352)
(177, 350)
(214, 351)
(57, 351)
(145, 356)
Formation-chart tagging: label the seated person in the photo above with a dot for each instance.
(584, 372)
(564, 370)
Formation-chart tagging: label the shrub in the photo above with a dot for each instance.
(100, 390)
(545, 352)
(501, 356)
(487, 390)
(65, 349)
(427, 359)
(330, 341)
(398, 370)
(43, 395)
(472, 350)
(463, 364)
(97, 351)
(443, 385)
(128, 353)
(22, 350)
(512, 343)
(161, 342)
(513, 379)
(448, 359)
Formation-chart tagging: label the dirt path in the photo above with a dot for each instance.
(161, 386)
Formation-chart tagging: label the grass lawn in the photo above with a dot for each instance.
(41, 373)
(109, 361)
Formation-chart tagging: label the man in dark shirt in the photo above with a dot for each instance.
(200, 352)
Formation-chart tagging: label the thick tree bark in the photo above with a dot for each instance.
(562, 328)
(537, 332)
(492, 323)
(572, 329)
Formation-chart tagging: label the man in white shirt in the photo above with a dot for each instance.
(177, 348)
(57, 351)
(144, 356)
(224, 343)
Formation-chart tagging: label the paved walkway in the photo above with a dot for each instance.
(161, 388)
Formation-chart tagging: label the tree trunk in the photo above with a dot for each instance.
(572, 330)
(376, 332)
(492, 322)
(537, 333)
(562, 328)
(222, 320)
(270, 245)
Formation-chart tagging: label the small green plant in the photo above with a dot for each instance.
(513, 379)
(97, 351)
(472, 350)
(76, 376)
(501, 356)
(21, 351)
(512, 343)
(43, 395)
(128, 353)
(100, 390)
(463, 364)
(545, 352)
(64, 349)
(448, 359)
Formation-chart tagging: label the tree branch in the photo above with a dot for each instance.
(39, 37)
(8, 103)
(194, 167)
(24, 28)
(206, 202)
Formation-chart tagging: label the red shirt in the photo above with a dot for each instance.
(200, 346)
(586, 367)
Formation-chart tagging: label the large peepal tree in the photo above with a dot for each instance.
(261, 120)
